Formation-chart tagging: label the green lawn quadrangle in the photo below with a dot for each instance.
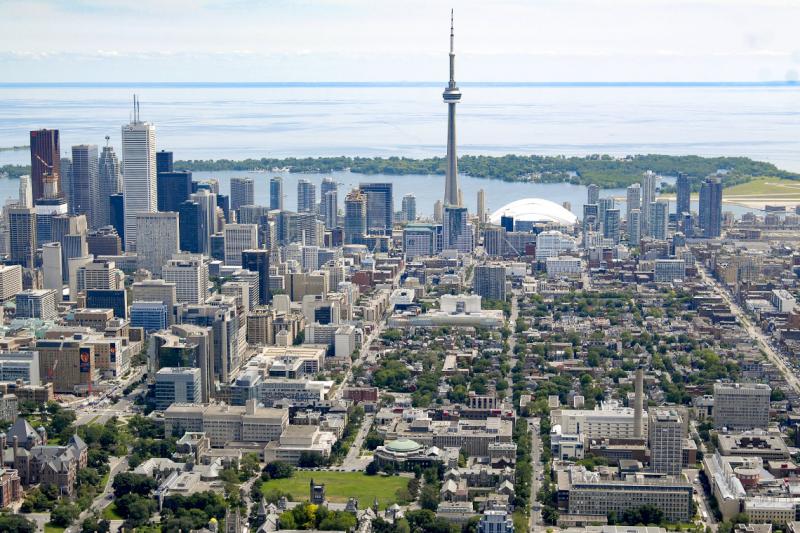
(339, 486)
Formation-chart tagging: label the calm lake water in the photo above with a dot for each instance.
(237, 121)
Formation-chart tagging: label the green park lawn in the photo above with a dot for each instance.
(110, 512)
(50, 528)
(339, 486)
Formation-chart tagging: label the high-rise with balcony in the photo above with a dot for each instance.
(683, 189)
(243, 192)
(139, 173)
(306, 196)
(330, 209)
(658, 224)
(355, 217)
(710, 212)
(22, 232)
(409, 208)
(276, 193)
(648, 197)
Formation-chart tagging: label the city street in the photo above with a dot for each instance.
(354, 461)
(753, 331)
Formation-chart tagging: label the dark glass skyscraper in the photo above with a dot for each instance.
(174, 188)
(192, 227)
(683, 188)
(380, 207)
(276, 193)
(45, 160)
(258, 261)
(164, 162)
(224, 203)
(711, 208)
(117, 214)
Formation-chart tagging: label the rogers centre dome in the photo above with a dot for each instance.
(535, 210)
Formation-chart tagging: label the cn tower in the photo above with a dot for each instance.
(451, 97)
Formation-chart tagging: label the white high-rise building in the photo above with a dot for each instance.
(553, 243)
(99, 274)
(238, 238)
(25, 191)
(189, 273)
(634, 199)
(10, 281)
(51, 267)
(634, 227)
(658, 224)
(139, 173)
(158, 240)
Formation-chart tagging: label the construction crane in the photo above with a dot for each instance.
(52, 371)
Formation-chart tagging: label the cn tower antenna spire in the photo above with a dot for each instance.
(451, 96)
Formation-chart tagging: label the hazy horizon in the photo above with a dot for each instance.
(357, 40)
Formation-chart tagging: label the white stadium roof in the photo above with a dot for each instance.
(535, 210)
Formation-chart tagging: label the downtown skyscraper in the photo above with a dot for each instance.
(109, 181)
(683, 189)
(306, 196)
(276, 193)
(242, 192)
(380, 207)
(83, 197)
(710, 212)
(45, 161)
(139, 173)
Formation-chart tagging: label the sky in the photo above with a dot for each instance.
(404, 40)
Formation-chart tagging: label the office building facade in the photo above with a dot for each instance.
(380, 207)
(242, 192)
(139, 175)
(159, 240)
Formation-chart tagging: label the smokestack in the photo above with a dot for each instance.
(637, 404)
